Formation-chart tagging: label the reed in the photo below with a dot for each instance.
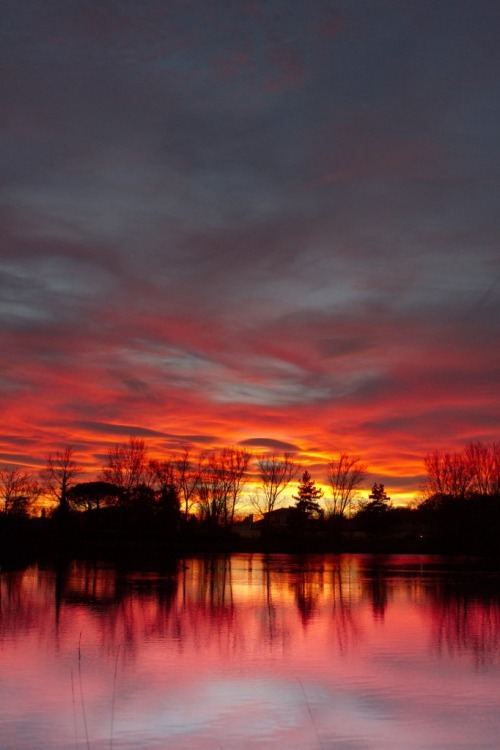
(82, 701)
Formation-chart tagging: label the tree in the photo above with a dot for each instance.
(221, 480)
(345, 475)
(484, 463)
(235, 462)
(378, 500)
(187, 477)
(18, 490)
(276, 472)
(307, 498)
(474, 471)
(374, 513)
(92, 495)
(166, 491)
(448, 474)
(161, 473)
(127, 468)
(59, 475)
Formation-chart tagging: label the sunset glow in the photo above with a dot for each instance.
(254, 224)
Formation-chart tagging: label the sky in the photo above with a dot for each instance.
(263, 224)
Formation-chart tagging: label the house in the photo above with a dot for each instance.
(246, 528)
(280, 518)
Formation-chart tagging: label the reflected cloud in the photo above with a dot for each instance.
(274, 649)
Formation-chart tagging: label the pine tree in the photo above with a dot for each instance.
(308, 496)
(379, 500)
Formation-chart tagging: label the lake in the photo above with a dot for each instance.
(252, 652)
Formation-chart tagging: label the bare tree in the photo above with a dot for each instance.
(210, 489)
(220, 484)
(59, 475)
(345, 474)
(436, 475)
(495, 479)
(484, 464)
(165, 489)
(235, 462)
(448, 474)
(187, 478)
(127, 467)
(276, 472)
(161, 473)
(18, 490)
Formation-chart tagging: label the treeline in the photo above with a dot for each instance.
(461, 498)
(141, 504)
(474, 471)
(212, 485)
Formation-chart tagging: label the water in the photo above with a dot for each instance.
(250, 652)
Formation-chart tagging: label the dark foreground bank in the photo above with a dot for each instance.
(468, 528)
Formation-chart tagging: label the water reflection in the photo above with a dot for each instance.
(227, 650)
(241, 596)
(466, 619)
(218, 594)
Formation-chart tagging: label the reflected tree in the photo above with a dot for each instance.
(376, 583)
(466, 619)
(307, 591)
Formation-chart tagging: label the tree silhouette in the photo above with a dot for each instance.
(187, 478)
(92, 495)
(374, 513)
(59, 476)
(448, 474)
(18, 490)
(475, 470)
(127, 468)
(221, 481)
(307, 498)
(166, 492)
(379, 501)
(345, 474)
(276, 472)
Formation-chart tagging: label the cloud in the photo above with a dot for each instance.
(118, 429)
(269, 443)
(250, 221)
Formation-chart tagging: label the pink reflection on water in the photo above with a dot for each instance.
(245, 652)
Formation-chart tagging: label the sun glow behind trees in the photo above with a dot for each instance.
(224, 484)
